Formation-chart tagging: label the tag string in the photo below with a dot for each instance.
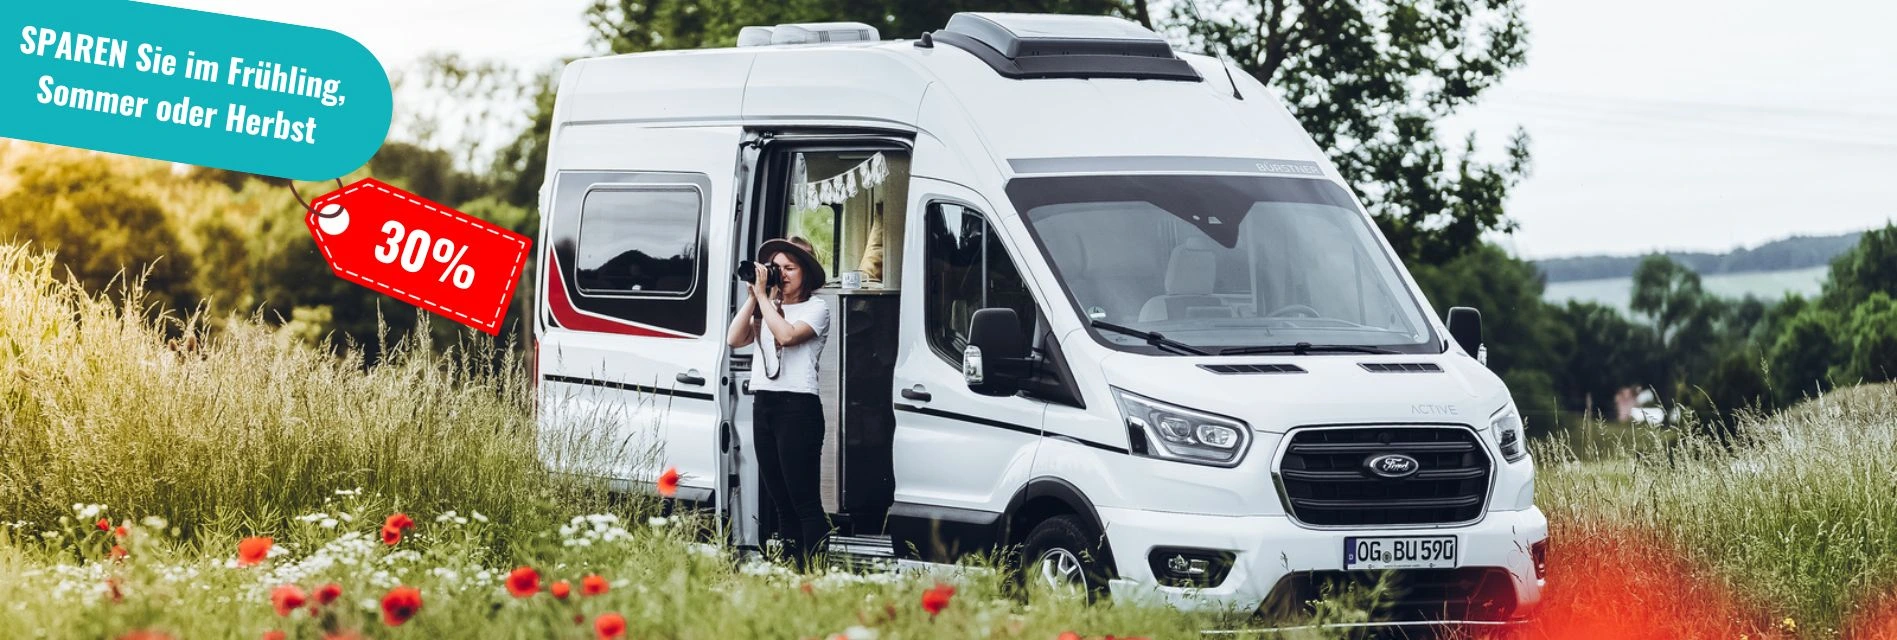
(299, 196)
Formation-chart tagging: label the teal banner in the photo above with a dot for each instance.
(188, 86)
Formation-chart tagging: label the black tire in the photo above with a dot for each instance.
(1063, 548)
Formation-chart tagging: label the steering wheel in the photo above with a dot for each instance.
(1294, 311)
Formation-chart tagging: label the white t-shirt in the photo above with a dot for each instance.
(798, 371)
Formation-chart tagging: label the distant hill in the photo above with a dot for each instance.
(1797, 252)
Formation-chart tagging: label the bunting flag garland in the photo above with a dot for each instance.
(845, 185)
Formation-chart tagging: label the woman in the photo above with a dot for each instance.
(789, 328)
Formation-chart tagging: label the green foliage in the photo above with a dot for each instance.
(1607, 352)
(1798, 513)
(1868, 338)
(1801, 355)
(1868, 268)
(1370, 80)
(101, 229)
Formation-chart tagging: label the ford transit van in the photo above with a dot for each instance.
(1098, 304)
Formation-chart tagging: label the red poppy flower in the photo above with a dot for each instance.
(287, 598)
(523, 582)
(274, 634)
(560, 589)
(668, 482)
(328, 593)
(1068, 635)
(393, 527)
(103, 525)
(807, 588)
(937, 598)
(400, 604)
(112, 587)
(610, 626)
(121, 531)
(593, 585)
(118, 552)
(344, 634)
(251, 551)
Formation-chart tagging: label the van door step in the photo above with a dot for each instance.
(858, 553)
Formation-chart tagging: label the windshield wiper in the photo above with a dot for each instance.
(1303, 348)
(1151, 338)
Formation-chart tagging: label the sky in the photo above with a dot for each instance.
(1655, 124)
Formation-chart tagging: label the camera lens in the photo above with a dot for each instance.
(746, 271)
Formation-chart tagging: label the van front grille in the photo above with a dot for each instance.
(1328, 481)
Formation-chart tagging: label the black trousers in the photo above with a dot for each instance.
(788, 429)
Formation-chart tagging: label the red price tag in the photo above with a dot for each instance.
(419, 252)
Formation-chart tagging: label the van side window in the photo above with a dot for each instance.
(641, 241)
(967, 270)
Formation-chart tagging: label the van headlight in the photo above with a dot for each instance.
(1172, 432)
(1506, 425)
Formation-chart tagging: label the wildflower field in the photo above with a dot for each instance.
(160, 481)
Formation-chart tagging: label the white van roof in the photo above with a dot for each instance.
(883, 84)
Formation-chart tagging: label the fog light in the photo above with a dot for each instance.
(1187, 567)
(1539, 552)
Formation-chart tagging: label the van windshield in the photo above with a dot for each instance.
(1229, 264)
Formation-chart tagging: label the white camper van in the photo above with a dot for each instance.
(1096, 302)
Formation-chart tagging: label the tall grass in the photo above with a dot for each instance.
(1798, 515)
(242, 428)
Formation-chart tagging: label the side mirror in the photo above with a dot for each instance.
(1465, 326)
(996, 354)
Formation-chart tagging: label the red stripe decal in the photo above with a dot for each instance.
(571, 318)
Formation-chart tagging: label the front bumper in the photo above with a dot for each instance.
(1268, 548)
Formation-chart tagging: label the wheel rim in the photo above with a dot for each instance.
(1061, 568)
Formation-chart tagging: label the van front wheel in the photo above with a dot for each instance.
(1063, 553)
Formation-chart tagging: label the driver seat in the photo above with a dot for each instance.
(1190, 273)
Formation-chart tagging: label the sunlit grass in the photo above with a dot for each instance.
(1797, 516)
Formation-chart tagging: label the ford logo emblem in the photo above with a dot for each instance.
(1393, 465)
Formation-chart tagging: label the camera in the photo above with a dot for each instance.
(773, 277)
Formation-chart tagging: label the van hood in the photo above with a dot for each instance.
(1332, 389)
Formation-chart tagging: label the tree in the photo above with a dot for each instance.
(1868, 268)
(1606, 352)
(1801, 355)
(1370, 80)
(1682, 316)
(99, 228)
(1868, 338)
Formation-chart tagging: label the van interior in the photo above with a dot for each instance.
(847, 197)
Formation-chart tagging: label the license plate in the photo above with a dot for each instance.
(1407, 552)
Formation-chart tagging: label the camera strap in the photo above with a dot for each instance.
(771, 354)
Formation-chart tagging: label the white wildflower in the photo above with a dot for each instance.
(859, 633)
(154, 522)
(658, 521)
(478, 517)
(327, 523)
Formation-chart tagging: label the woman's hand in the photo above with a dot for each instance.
(757, 283)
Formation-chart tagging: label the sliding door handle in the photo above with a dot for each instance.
(917, 393)
(691, 377)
